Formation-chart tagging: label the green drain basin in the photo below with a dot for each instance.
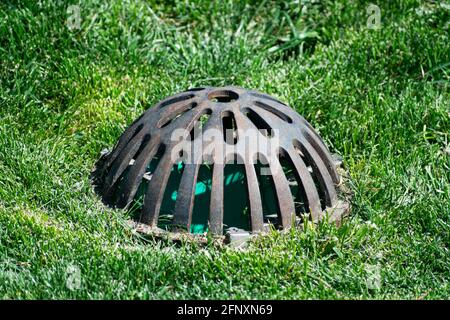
(236, 208)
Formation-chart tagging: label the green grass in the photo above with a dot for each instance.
(380, 98)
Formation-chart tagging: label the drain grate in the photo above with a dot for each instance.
(217, 158)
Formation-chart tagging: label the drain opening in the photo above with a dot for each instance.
(200, 212)
(124, 176)
(120, 146)
(138, 200)
(195, 89)
(199, 123)
(121, 165)
(297, 190)
(170, 197)
(230, 134)
(313, 171)
(165, 121)
(269, 200)
(223, 96)
(124, 139)
(176, 99)
(274, 111)
(136, 132)
(145, 140)
(267, 97)
(236, 211)
(259, 122)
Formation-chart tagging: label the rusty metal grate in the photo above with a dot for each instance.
(216, 126)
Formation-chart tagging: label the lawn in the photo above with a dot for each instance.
(377, 93)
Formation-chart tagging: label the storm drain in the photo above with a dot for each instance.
(218, 159)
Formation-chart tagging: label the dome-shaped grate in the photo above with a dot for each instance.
(285, 167)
